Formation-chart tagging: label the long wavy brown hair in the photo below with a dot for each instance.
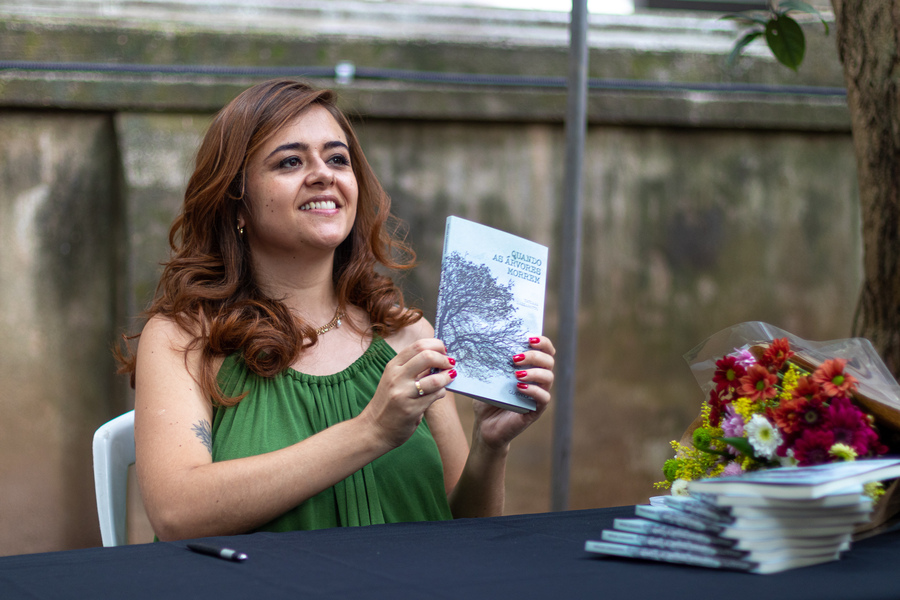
(207, 287)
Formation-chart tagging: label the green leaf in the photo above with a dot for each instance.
(740, 444)
(741, 44)
(799, 5)
(785, 39)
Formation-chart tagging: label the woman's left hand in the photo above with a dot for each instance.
(497, 427)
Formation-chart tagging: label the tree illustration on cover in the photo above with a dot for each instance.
(478, 319)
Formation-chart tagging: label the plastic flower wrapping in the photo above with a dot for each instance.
(773, 399)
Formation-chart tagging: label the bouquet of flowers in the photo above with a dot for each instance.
(776, 400)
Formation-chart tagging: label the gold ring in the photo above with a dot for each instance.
(419, 388)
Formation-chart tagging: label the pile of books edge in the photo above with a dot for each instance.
(760, 522)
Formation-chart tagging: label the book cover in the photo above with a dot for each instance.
(851, 497)
(801, 482)
(668, 543)
(490, 301)
(657, 529)
(671, 516)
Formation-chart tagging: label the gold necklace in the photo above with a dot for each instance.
(335, 322)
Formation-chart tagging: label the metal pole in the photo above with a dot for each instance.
(570, 259)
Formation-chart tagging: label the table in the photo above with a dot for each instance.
(521, 557)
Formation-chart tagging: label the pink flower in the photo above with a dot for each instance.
(850, 426)
(733, 423)
(733, 468)
(812, 447)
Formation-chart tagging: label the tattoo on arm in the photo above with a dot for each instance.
(203, 431)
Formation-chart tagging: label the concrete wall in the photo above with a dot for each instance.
(703, 208)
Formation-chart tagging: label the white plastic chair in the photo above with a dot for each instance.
(113, 454)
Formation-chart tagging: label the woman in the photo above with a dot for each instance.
(281, 382)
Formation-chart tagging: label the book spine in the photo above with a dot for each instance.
(437, 317)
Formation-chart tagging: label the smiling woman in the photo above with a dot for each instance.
(303, 194)
(281, 381)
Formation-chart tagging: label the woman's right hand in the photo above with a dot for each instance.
(408, 388)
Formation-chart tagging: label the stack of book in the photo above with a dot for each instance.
(761, 522)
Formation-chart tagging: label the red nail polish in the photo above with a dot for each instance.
(534, 340)
(452, 361)
(521, 374)
(522, 386)
(518, 358)
(452, 373)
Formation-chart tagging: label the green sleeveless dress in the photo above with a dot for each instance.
(406, 484)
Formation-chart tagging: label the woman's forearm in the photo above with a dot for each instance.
(481, 489)
(239, 495)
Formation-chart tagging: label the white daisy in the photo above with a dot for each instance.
(764, 438)
(680, 487)
(789, 460)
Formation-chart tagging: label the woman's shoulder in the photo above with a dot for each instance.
(163, 338)
(413, 332)
(161, 329)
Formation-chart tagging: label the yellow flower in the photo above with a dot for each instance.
(842, 452)
(874, 490)
(747, 408)
(789, 382)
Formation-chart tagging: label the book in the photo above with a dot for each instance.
(657, 529)
(642, 538)
(673, 556)
(772, 565)
(755, 552)
(668, 543)
(800, 483)
(757, 528)
(840, 541)
(757, 538)
(849, 497)
(490, 301)
(861, 507)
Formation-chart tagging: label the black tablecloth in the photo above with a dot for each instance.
(524, 556)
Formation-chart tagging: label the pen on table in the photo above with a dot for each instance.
(224, 553)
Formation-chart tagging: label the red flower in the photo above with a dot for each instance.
(715, 408)
(806, 389)
(778, 353)
(812, 447)
(728, 374)
(758, 384)
(831, 378)
(787, 416)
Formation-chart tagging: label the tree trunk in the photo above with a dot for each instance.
(867, 42)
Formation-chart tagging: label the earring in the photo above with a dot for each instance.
(240, 231)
